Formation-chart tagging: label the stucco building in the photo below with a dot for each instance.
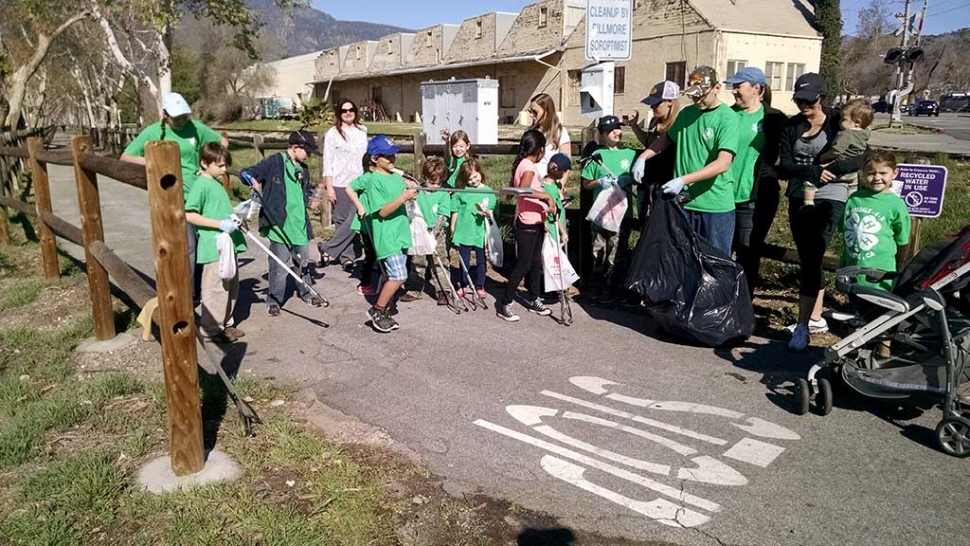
(542, 50)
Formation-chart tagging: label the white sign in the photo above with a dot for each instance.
(609, 32)
(690, 455)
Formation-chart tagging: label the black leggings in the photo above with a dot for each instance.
(812, 227)
(370, 258)
(528, 249)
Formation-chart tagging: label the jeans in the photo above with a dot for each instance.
(811, 228)
(528, 250)
(716, 227)
(763, 215)
(476, 271)
(342, 244)
(298, 257)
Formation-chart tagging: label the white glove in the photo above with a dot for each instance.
(639, 167)
(674, 186)
(606, 182)
(227, 226)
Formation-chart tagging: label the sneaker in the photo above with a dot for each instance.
(461, 292)
(325, 258)
(348, 265)
(273, 310)
(481, 293)
(380, 321)
(505, 312)
(221, 338)
(409, 296)
(814, 326)
(232, 331)
(366, 290)
(312, 300)
(536, 306)
(799, 338)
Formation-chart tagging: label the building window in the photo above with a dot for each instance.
(390, 47)
(619, 80)
(677, 73)
(478, 29)
(430, 39)
(506, 93)
(575, 80)
(773, 74)
(335, 97)
(795, 70)
(543, 17)
(357, 53)
(734, 66)
(377, 94)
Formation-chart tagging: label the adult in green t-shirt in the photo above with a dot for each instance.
(706, 134)
(610, 167)
(191, 135)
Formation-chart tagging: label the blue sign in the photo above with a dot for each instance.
(922, 189)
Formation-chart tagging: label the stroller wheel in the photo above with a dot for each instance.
(802, 395)
(953, 435)
(823, 399)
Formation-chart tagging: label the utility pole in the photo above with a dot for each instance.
(900, 74)
(916, 43)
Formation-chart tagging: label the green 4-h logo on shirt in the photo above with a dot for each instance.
(708, 133)
(625, 164)
(434, 208)
(756, 127)
(861, 232)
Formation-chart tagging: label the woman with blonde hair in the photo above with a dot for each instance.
(546, 120)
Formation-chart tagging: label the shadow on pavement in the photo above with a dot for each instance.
(559, 536)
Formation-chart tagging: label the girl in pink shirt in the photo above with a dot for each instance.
(530, 217)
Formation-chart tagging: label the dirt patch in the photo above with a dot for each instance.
(54, 307)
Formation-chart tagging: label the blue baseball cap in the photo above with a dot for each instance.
(750, 74)
(382, 145)
(561, 161)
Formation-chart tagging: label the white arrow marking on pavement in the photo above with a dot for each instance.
(675, 446)
(595, 385)
(711, 470)
(662, 469)
(663, 489)
(767, 429)
(530, 416)
(754, 452)
(661, 510)
(642, 420)
(691, 407)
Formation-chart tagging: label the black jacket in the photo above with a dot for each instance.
(271, 174)
(773, 125)
(796, 127)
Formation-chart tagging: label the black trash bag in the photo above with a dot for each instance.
(690, 288)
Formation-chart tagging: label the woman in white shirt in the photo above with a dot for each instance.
(343, 147)
(546, 120)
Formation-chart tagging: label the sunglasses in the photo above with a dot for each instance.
(806, 102)
(347, 110)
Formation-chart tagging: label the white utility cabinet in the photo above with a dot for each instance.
(468, 105)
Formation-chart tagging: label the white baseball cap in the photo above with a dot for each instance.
(175, 105)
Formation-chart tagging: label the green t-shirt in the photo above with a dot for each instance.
(434, 204)
(470, 224)
(552, 189)
(190, 138)
(751, 141)
(618, 161)
(392, 234)
(874, 225)
(700, 135)
(293, 231)
(456, 163)
(209, 199)
(359, 185)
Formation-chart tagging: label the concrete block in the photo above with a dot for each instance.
(157, 476)
(120, 341)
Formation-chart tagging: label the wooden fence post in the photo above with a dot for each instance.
(258, 147)
(4, 216)
(42, 190)
(420, 140)
(90, 205)
(176, 315)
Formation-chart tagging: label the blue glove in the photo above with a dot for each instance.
(674, 187)
(639, 166)
(624, 180)
(247, 178)
(227, 226)
(606, 182)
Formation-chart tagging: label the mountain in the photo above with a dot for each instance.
(305, 30)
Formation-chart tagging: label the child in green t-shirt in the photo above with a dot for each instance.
(468, 213)
(383, 204)
(611, 168)
(208, 208)
(436, 208)
(361, 224)
(559, 164)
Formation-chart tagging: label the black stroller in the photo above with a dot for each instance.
(927, 319)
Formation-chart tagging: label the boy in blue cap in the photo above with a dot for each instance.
(383, 205)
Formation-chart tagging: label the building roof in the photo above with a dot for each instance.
(780, 17)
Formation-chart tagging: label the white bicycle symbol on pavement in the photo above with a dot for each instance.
(569, 464)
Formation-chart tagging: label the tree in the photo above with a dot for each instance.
(828, 21)
(865, 71)
(38, 24)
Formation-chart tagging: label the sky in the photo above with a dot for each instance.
(943, 15)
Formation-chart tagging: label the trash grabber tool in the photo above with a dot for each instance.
(247, 414)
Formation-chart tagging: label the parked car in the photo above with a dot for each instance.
(928, 107)
(880, 106)
(903, 108)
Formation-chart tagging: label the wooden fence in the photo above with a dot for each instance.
(162, 178)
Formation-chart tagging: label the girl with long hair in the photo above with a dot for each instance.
(546, 121)
(468, 213)
(458, 150)
(343, 147)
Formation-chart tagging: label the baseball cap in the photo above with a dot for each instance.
(665, 90)
(305, 140)
(809, 87)
(701, 80)
(608, 123)
(175, 105)
(750, 74)
(382, 145)
(561, 161)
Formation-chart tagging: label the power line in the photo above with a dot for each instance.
(961, 6)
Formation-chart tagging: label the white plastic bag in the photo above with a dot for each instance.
(558, 272)
(227, 256)
(422, 243)
(609, 208)
(494, 248)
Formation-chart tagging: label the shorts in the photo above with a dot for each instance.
(396, 267)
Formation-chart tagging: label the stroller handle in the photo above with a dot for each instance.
(846, 278)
